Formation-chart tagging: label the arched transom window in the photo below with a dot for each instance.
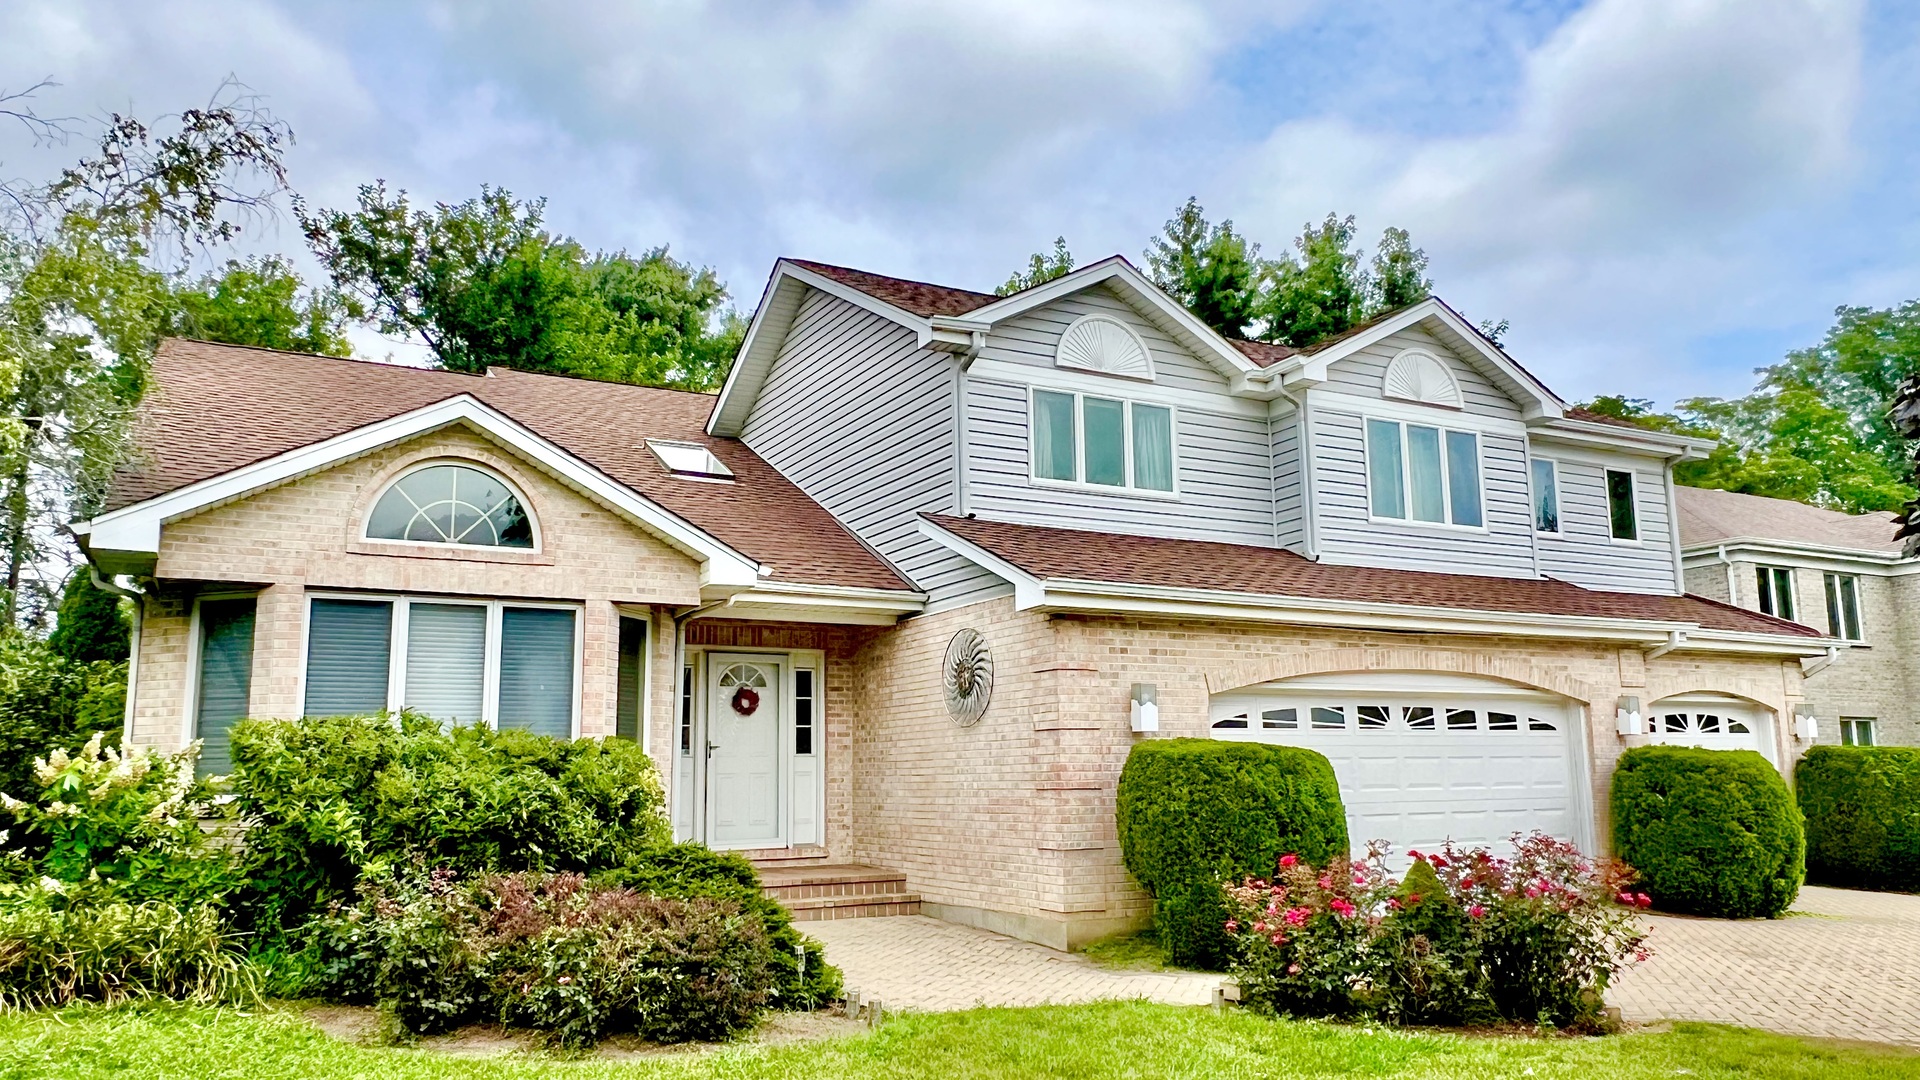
(451, 504)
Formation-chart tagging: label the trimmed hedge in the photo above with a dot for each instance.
(1712, 832)
(1195, 813)
(1862, 805)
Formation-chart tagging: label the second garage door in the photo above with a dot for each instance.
(1423, 759)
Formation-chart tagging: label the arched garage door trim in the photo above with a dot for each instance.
(1426, 755)
(1517, 671)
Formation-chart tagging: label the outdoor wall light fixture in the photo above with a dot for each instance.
(1805, 727)
(1146, 707)
(1626, 716)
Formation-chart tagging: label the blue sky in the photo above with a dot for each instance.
(1659, 194)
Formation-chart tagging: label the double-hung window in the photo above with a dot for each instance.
(1775, 585)
(1546, 496)
(458, 661)
(1423, 473)
(1083, 438)
(1843, 606)
(1623, 517)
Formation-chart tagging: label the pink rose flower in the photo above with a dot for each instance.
(1233, 925)
(1293, 969)
(1289, 859)
(1644, 900)
(1476, 911)
(1298, 916)
(1342, 908)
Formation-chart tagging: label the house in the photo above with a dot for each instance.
(907, 591)
(1841, 574)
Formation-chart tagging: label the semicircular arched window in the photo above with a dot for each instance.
(451, 504)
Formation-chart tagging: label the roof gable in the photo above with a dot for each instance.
(1709, 516)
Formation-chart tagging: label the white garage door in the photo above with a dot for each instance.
(1422, 759)
(1715, 723)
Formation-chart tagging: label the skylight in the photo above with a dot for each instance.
(690, 460)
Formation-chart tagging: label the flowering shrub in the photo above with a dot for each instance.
(125, 825)
(1465, 937)
(548, 952)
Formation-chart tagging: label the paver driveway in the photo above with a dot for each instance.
(915, 962)
(1843, 965)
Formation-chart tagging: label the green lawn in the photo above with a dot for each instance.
(1090, 1041)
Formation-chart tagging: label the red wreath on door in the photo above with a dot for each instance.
(745, 700)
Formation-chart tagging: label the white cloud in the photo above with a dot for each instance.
(1620, 206)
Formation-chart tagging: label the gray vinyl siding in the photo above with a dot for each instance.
(1223, 464)
(860, 417)
(1033, 338)
(1289, 493)
(1362, 373)
(1585, 553)
(1346, 535)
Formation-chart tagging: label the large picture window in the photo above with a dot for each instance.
(1106, 442)
(458, 661)
(451, 504)
(1421, 473)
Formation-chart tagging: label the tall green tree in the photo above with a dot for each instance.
(1399, 274)
(92, 624)
(1041, 268)
(1321, 291)
(1816, 428)
(1210, 269)
(262, 302)
(87, 266)
(483, 282)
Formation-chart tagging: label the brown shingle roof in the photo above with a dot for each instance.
(215, 408)
(1708, 516)
(1264, 353)
(916, 297)
(1193, 564)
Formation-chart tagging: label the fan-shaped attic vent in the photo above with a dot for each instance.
(1415, 375)
(1105, 344)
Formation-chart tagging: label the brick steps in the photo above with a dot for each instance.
(820, 891)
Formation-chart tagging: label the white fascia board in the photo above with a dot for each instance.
(763, 341)
(137, 527)
(1201, 338)
(1028, 591)
(1818, 556)
(1615, 437)
(1066, 594)
(794, 602)
(1538, 401)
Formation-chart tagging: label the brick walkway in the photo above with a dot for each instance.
(915, 962)
(1844, 965)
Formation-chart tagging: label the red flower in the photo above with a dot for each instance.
(1289, 859)
(1644, 900)
(1439, 861)
(1298, 916)
(1232, 925)
(1342, 908)
(1476, 911)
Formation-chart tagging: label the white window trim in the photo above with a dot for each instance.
(526, 507)
(1606, 499)
(490, 668)
(190, 714)
(1406, 478)
(1773, 570)
(1559, 513)
(1080, 446)
(1859, 608)
(1871, 724)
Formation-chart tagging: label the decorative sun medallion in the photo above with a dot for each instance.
(968, 675)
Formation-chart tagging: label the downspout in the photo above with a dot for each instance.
(976, 341)
(1675, 639)
(1732, 579)
(107, 585)
(1673, 527)
(1810, 668)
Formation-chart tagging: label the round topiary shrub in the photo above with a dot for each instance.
(1862, 805)
(1196, 813)
(1712, 832)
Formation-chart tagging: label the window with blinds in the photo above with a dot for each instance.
(633, 674)
(460, 662)
(225, 679)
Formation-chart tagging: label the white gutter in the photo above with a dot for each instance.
(1733, 596)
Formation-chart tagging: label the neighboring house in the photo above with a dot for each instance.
(902, 593)
(1841, 574)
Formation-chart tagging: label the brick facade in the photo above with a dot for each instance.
(1875, 678)
(1009, 824)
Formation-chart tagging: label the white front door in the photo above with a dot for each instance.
(745, 799)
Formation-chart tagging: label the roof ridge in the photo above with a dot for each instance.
(812, 263)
